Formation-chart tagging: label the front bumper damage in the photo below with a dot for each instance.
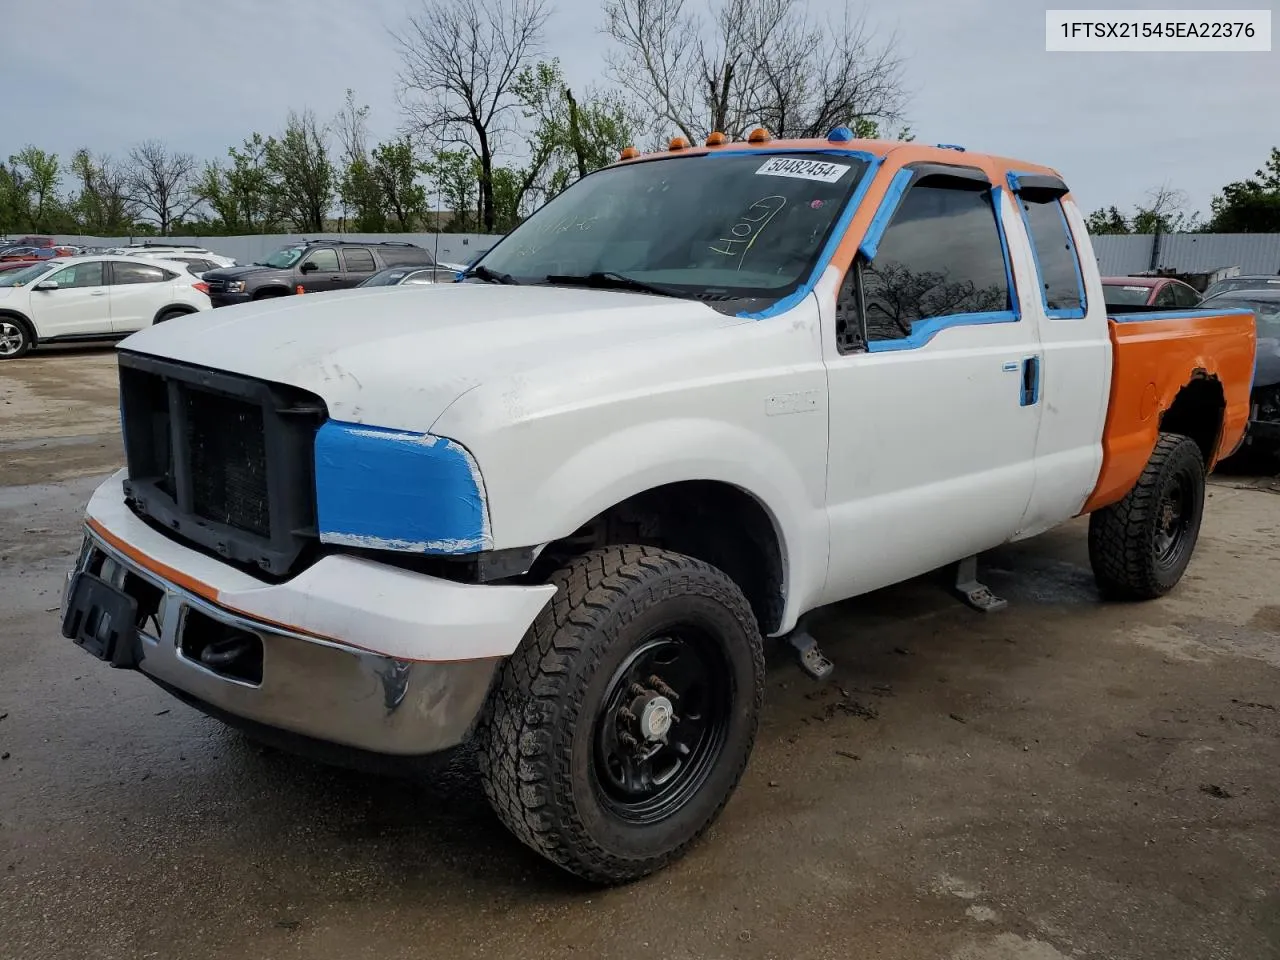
(350, 652)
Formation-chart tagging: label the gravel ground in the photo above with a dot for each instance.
(1064, 779)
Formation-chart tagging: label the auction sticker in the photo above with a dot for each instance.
(800, 169)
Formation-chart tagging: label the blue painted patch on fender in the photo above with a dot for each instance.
(395, 490)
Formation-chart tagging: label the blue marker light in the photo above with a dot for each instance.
(840, 135)
(949, 146)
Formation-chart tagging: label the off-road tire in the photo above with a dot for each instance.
(536, 735)
(1122, 537)
(23, 331)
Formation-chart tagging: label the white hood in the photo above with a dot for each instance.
(397, 357)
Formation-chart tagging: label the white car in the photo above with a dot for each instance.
(206, 259)
(92, 298)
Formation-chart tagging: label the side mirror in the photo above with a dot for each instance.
(309, 267)
(47, 285)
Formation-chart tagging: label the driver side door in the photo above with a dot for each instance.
(320, 271)
(79, 307)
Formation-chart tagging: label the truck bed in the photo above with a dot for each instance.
(1155, 355)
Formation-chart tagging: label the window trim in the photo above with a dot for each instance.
(923, 331)
(1018, 180)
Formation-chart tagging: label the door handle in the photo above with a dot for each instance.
(1030, 382)
(98, 293)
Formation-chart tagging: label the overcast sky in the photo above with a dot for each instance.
(203, 76)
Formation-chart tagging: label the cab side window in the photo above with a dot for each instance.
(1185, 296)
(325, 259)
(941, 256)
(1167, 297)
(1061, 286)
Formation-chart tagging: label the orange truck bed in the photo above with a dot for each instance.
(1157, 359)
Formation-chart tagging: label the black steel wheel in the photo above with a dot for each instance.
(621, 726)
(1140, 547)
(664, 722)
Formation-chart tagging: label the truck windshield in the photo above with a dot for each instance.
(719, 226)
(283, 258)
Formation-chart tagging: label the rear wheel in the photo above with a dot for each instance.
(15, 338)
(1140, 547)
(170, 314)
(623, 723)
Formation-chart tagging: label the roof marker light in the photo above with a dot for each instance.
(716, 139)
(840, 135)
(629, 153)
(759, 135)
(677, 143)
(950, 146)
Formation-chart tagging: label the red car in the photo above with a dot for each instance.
(14, 265)
(27, 254)
(1153, 292)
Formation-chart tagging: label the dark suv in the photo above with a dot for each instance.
(310, 266)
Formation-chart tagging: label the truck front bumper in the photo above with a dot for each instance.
(350, 651)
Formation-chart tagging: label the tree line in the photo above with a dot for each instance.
(490, 128)
(1251, 205)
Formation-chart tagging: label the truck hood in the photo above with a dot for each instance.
(397, 357)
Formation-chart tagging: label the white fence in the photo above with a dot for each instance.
(446, 247)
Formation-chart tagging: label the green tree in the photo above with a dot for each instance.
(572, 136)
(1252, 205)
(455, 180)
(36, 176)
(243, 195)
(299, 165)
(1108, 221)
(362, 196)
(13, 202)
(396, 168)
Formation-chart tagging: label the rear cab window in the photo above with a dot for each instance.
(1057, 260)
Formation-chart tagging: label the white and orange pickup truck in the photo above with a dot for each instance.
(553, 509)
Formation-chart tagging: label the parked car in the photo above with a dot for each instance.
(1264, 420)
(1238, 284)
(14, 265)
(1121, 293)
(214, 260)
(312, 266)
(35, 253)
(398, 276)
(91, 298)
(559, 520)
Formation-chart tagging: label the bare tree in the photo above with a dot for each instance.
(460, 59)
(754, 62)
(162, 184)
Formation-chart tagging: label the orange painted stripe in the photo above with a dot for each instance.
(177, 577)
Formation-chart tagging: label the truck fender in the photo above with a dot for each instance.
(639, 458)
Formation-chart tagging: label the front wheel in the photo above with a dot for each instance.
(1140, 547)
(15, 338)
(621, 726)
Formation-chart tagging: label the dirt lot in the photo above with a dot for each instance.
(1064, 779)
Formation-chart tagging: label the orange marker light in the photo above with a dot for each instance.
(716, 139)
(300, 289)
(677, 143)
(759, 135)
(630, 153)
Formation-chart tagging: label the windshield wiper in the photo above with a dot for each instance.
(490, 276)
(611, 281)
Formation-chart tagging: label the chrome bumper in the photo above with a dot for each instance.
(309, 686)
